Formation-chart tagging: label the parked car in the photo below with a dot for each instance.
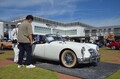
(99, 44)
(114, 45)
(68, 53)
(5, 44)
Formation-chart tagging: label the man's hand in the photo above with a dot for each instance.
(31, 43)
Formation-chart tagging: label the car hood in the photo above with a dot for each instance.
(88, 45)
(69, 43)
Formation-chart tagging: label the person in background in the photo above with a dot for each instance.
(25, 42)
(15, 42)
(41, 40)
(111, 37)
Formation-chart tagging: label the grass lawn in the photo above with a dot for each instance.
(110, 53)
(6, 55)
(12, 72)
(115, 75)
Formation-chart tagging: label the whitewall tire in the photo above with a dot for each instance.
(68, 59)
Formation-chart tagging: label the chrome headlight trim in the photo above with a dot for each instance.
(97, 48)
(92, 52)
(83, 51)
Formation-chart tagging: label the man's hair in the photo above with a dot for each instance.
(29, 17)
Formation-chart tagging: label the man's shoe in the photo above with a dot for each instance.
(30, 66)
(19, 66)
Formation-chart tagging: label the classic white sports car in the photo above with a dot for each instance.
(68, 53)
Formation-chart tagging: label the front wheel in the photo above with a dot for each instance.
(68, 59)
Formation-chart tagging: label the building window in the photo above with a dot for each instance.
(117, 31)
(39, 29)
(87, 32)
(13, 26)
(93, 33)
(47, 30)
(71, 32)
(104, 31)
(109, 30)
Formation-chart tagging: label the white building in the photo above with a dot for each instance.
(43, 26)
(5, 29)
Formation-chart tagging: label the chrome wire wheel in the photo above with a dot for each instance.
(68, 59)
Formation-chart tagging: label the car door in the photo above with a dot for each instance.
(52, 50)
(38, 50)
(49, 51)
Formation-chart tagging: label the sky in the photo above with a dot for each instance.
(92, 12)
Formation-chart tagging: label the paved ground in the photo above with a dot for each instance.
(87, 71)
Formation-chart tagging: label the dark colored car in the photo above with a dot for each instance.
(114, 45)
(99, 44)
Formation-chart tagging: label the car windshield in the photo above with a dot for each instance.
(53, 37)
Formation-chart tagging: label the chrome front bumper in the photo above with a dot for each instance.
(89, 60)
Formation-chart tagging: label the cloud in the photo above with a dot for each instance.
(53, 7)
(21, 3)
(102, 22)
(27, 3)
(110, 21)
(60, 10)
(38, 7)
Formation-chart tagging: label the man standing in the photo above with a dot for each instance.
(15, 42)
(25, 41)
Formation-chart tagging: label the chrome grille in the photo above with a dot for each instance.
(92, 52)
